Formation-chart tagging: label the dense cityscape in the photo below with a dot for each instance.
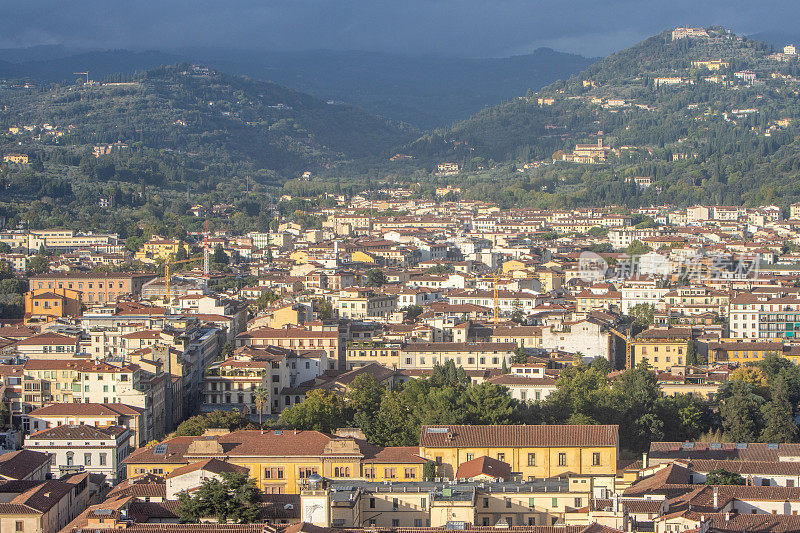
(591, 336)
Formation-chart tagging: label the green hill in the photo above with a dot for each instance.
(182, 127)
(701, 133)
(425, 91)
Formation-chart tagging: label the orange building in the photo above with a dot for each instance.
(44, 305)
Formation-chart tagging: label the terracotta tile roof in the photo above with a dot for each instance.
(153, 486)
(250, 443)
(153, 511)
(48, 339)
(748, 492)
(291, 333)
(391, 454)
(16, 332)
(21, 463)
(672, 474)
(178, 528)
(79, 432)
(737, 523)
(80, 365)
(753, 451)
(36, 496)
(378, 371)
(523, 435)
(86, 409)
(484, 465)
(460, 347)
(209, 465)
(745, 468)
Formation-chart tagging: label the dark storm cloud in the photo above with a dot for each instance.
(446, 27)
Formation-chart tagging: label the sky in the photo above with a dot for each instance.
(462, 28)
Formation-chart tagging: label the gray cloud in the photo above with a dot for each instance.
(443, 27)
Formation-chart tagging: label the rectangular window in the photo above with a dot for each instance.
(562, 459)
(595, 459)
(390, 473)
(87, 459)
(554, 502)
(470, 456)
(501, 457)
(20, 526)
(102, 459)
(531, 459)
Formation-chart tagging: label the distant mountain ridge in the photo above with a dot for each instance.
(425, 91)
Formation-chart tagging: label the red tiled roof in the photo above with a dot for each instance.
(79, 432)
(86, 409)
(21, 463)
(484, 465)
(209, 465)
(48, 339)
(518, 435)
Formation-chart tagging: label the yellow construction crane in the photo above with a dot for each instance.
(170, 262)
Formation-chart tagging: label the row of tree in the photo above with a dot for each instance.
(757, 404)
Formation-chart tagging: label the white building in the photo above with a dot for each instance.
(622, 238)
(77, 449)
(189, 478)
(640, 294)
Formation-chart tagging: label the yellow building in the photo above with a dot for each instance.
(716, 64)
(47, 304)
(439, 505)
(18, 159)
(281, 461)
(300, 257)
(745, 351)
(661, 354)
(531, 451)
(512, 265)
(162, 249)
(360, 354)
(288, 315)
(362, 257)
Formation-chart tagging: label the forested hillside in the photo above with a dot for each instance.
(424, 91)
(181, 127)
(711, 119)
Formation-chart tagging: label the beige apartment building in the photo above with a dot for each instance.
(94, 288)
(484, 503)
(469, 355)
